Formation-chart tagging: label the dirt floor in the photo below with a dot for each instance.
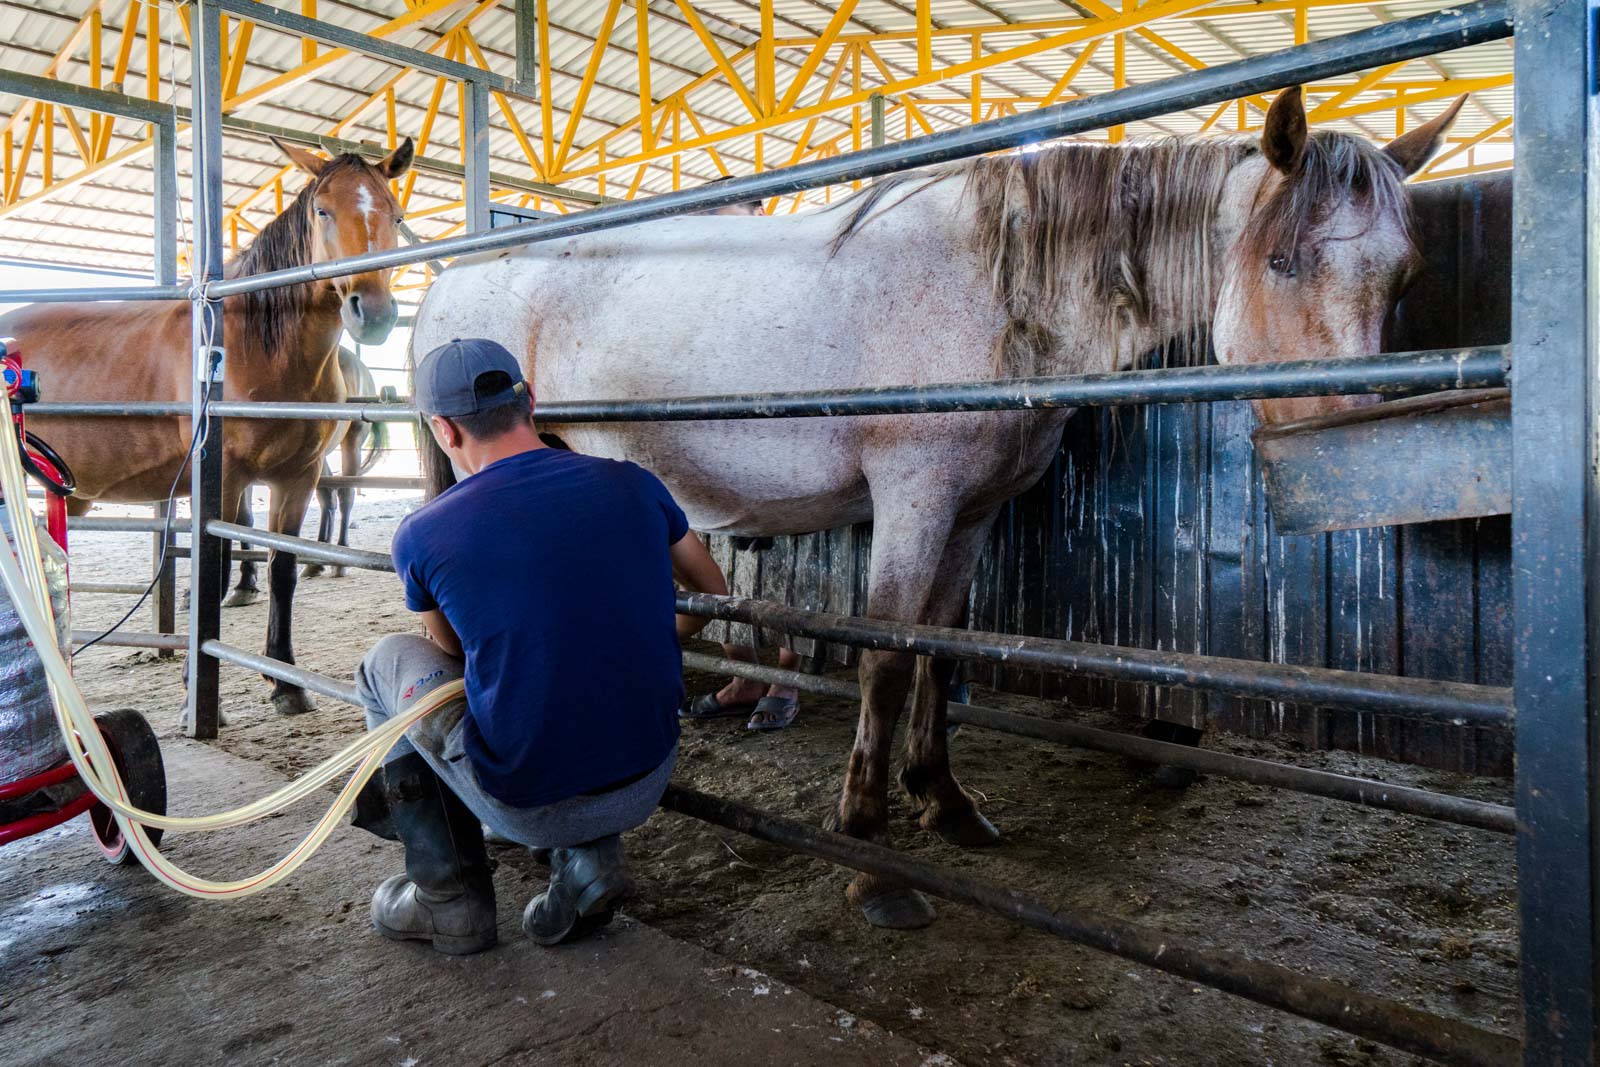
(1394, 905)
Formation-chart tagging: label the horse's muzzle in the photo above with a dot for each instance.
(368, 320)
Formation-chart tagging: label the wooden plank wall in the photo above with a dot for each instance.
(1150, 529)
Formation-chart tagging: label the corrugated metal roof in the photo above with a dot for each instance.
(104, 221)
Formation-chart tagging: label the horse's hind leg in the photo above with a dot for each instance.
(289, 502)
(946, 808)
(908, 543)
(247, 591)
(315, 568)
(347, 504)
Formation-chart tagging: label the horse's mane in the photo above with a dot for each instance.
(270, 314)
(1132, 222)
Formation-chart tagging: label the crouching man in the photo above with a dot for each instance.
(545, 579)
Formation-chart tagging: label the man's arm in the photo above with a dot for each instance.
(697, 572)
(442, 633)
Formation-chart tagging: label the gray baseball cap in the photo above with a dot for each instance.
(446, 379)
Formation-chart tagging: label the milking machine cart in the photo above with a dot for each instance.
(39, 786)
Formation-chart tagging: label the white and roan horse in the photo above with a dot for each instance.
(1074, 258)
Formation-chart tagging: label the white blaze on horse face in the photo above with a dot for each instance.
(369, 212)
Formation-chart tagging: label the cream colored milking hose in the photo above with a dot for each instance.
(24, 581)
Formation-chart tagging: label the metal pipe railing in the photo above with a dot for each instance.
(1454, 703)
(287, 672)
(301, 546)
(123, 524)
(62, 296)
(1413, 38)
(1453, 368)
(1364, 791)
(1276, 986)
(130, 639)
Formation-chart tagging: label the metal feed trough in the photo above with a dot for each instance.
(1556, 510)
(1425, 458)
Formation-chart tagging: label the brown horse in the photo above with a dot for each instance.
(282, 345)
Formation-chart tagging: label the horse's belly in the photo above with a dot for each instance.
(758, 478)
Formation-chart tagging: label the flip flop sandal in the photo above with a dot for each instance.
(709, 707)
(773, 713)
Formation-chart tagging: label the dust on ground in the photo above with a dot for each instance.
(1397, 906)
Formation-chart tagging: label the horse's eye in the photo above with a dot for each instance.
(1281, 264)
(323, 214)
(398, 219)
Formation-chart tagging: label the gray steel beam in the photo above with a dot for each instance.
(208, 573)
(366, 44)
(102, 100)
(475, 141)
(1555, 525)
(1457, 27)
(526, 44)
(165, 207)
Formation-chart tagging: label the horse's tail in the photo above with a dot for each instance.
(377, 444)
(437, 474)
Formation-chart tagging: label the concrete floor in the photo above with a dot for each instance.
(99, 965)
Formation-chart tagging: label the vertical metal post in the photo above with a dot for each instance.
(1556, 528)
(166, 202)
(206, 576)
(475, 140)
(163, 600)
(876, 102)
(527, 56)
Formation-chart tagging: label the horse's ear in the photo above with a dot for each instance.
(397, 162)
(312, 165)
(1283, 138)
(1414, 148)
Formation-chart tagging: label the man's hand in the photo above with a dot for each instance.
(697, 572)
(443, 634)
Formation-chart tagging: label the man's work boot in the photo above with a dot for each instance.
(587, 882)
(446, 896)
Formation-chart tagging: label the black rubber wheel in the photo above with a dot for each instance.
(137, 755)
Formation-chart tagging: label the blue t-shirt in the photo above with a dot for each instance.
(552, 567)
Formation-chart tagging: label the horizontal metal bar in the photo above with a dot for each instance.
(1457, 27)
(303, 547)
(1364, 791)
(128, 639)
(284, 672)
(122, 523)
(1279, 987)
(369, 481)
(1464, 368)
(246, 556)
(33, 87)
(1455, 703)
(112, 588)
(66, 296)
(367, 45)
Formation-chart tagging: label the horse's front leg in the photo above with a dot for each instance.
(909, 539)
(946, 808)
(315, 568)
(289, 501)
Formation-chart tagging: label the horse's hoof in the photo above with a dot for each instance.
(313, 570)
(242, 598)
(896, 908)
(969, 829)
(293, 702)
(338, 572)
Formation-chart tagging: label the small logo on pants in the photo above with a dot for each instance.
(419, 683)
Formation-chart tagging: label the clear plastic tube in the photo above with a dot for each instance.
(23, 577)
